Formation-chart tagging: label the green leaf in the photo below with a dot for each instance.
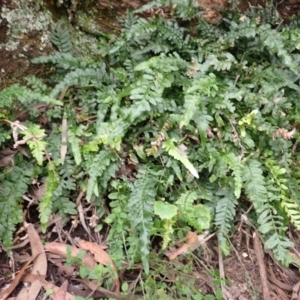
(141, 208)
(179, 155)
(46, 202)
(164, 210)
(33, 136)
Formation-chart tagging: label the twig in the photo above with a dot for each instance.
(262, 270)
(221, 269)
(81, 214)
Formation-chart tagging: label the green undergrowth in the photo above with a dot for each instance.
(180, 126)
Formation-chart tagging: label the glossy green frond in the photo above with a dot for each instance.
(141, 209)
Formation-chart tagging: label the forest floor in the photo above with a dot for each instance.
(247, 273)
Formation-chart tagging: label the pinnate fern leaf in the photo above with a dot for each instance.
(45, 206)
(61, 38)
(182, 157)
(33, 136)
(196, 215)
(141, 208)
(13, 186)
(22, 93)
(263, 193)
(292, 209)
(225, 213)
(102, 167)
(237, 169)
(255, 183)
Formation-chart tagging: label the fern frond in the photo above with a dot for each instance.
(174, 152)
(141, 210)
(37, 85)
(255, 183)
(78, 77)
(61, 38)
(33, 136)
(102, 167)
(275, 43)
(45, 206)
(21, 93)
(13, 185)
(186, 200)
(196, 215)
(74, 140)
(292, 209)
(168, 227)
(290, 206)
(237, 169)
(263, 194)
(225, 213)
(63, 60)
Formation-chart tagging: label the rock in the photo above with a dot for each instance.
(24, 34)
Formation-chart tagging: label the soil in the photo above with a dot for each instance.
(241, 268)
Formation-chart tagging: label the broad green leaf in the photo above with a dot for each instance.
(165, 210)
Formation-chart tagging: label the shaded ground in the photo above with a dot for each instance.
(241, 269)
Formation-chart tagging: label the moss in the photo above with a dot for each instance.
(24, 18)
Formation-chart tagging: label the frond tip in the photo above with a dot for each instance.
(179, 153)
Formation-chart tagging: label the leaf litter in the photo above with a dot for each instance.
(241, 268)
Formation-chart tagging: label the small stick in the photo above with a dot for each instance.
(262, 270)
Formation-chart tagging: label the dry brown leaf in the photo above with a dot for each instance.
(192, 238)
(4, 294)
(194, 241)
(296, 291)
(182, 150)
(39, 265)
(103, 258)
(64, 139)
(61, 292)
(68, 270)
(49, 286)
(284, 133)
(100, 255)
(93, 285)
(7, 157)
(61, 250)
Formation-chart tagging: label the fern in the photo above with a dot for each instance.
(216, 101)
(255, 183)
(262, 194)
(45, 206)
(140, 206)
(61, 38)
(182, 157)
(225, 213)
(78, 77)
(196, 215)
(100, 170)
(73, 138)
(195, 94)
(292, 209)
(21, 93)
(37, 84)
(13, 186)
(237, 169)
(33, 136)
(290, 206)
(63, 60)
